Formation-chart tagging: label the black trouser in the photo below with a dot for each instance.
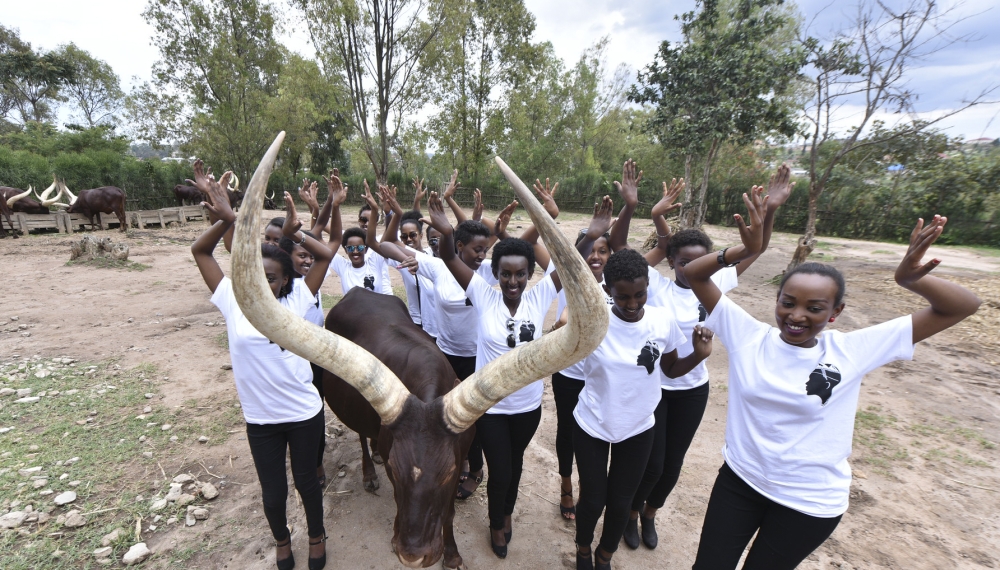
(678, 416)
(464, 367)
(318, 383)
(736, 511)
(566, 392)
(267, 446)
(504, 438)
(607, 488)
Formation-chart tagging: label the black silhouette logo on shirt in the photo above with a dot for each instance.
(468, 303)
(278, 345)
(648, 355)
(370, 282)
(527, 332)
(702, 313)
(822, 381)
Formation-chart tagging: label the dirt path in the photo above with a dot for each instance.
(926, 492)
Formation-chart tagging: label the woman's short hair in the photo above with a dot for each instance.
(688, 237)
(271, 251)
(354, 232)
(813, 268)
(277, 222)
(625, 265)
(513, 247)
(412, 217)
(469, 229)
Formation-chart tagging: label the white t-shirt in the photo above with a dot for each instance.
(498, 330)
(688, 312)
(457, 319)
(790, 419)
(575, 372)
(419, 300)
(372, 275)
(622, 382)
(315, 313)
(274, 385)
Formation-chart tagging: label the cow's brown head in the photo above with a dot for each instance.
(427, 436)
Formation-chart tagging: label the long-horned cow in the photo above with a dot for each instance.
(190, 193)
(106, 200)
(23, 203)
(6, 205)
(402, 386)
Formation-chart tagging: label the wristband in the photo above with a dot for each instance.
(301, 241)
(722, 259)
(662, 237)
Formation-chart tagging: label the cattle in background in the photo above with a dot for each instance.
(195, 195)
(269, 202)
(6, 205)
(395, 383)
(106, 200)
(188, 194)
(24, 203)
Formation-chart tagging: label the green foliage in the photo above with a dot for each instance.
(31, 80)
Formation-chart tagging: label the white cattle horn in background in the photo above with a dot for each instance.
(271, 197)
(353, 364)
(44, 198)
(15, 198)
(588, 323)
(234, 183)
(64, 190)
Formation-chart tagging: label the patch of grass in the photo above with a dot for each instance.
(882, 252)
(84, 427)
(823, 245)
(330, 300)
(823, 257)
(159, 282)
(870, 432)
(109, 263)
(400, 292)
(222, 339)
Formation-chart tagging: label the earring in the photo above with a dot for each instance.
(832, 319)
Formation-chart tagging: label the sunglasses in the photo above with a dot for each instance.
(362, 220)
(511, 341)
(433, 241)
(411, 235)
(355, 248)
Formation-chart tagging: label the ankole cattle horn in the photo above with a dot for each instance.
(19, 201)
(423, 416)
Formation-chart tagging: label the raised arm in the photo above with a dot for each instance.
(449, 197)
(391, 233)
(308, 194)
(446, 248)
(599, 225)
(384, 248)
(779, 188)
(418, 193)
(320, 252)
(659, 214)
(699, 272)
(950, 303)
(546, 195)
(202, 249)
(387, 209)
(339, 192)
(629, 190)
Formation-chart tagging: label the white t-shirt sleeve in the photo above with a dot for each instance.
(479, 291)
(881, 344)
(486, 272)
(225, 300)
(734, 326)
(726, 279)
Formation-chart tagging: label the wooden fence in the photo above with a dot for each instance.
(69, 223)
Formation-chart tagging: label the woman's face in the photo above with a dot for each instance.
(272, 234)
(685, 255)
(357, 256)
(805, 305)
(363, 219)
(474, 252)
(410, 234)
(276, 278)
(629, 298)
(302, 260)
(513, 276)
(433, 239)
(598, 257)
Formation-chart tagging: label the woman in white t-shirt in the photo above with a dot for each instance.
(281, 406)
(683, 400)
(793, 394)
(506, 318)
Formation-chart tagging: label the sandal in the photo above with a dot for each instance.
(284, 563)
(317, 563)
(568, 513)
(463, 493)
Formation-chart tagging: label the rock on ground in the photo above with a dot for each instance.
(136, 554)
(74, 519)
(65, 498)
(12, 519)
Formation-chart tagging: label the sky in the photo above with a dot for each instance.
(116, 33)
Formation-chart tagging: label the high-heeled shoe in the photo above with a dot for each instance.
(584, 561)
(631, 535)
(284, 563)
(317, 563)
(500, 551)
(601, 563)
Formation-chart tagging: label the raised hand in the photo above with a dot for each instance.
(202, 179)
(912, 268)
(337, 189)
(292, 223)
(628, 188)
(670, 194)
(411, 264)
(449, 191)
(438, 219)
(372, 203)
(217, 200)
(419, 192)
(752, 235)
(477, 208)
(779, 187)
(601, 222)
(701, 339)
(388, 198)
(547, 195)
(308, 192)
(503, 218)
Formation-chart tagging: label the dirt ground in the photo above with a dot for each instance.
(926, 492)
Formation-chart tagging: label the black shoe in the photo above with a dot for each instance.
(598, 564)
(507, 534)
(631, 535)
(649, 537)
(285, 563)
(317, 563)
(462, 493)
(568, 513)
(500, 551)
(584, 561)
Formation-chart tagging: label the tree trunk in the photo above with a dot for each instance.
(808, 241)
(687, 210)
(700, 207)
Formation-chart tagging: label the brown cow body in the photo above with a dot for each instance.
(26, 205)
(5, 212)
(188, 194)
(425, 496)
(106, 200)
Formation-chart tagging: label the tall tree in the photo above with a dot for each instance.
(376, 51)
(488, 57)
(33, 80)
(867, 64)
(95, 90)
(10, 42)
(726, 81)
(221, 61)
(597, 114)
